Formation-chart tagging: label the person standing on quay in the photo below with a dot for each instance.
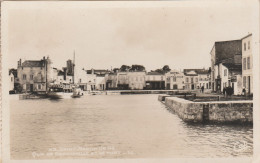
(202, 89)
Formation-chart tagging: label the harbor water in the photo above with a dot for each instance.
(116, 126)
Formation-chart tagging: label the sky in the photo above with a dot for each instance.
(108, 35)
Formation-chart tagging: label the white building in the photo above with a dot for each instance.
(247, 63)
(155, 80)
(11, 81)
(174, 80)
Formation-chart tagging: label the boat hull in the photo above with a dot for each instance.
(59, 95)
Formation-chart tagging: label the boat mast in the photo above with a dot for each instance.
(73, 80)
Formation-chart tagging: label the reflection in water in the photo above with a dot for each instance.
(116, 126)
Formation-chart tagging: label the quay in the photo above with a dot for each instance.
(224, 112)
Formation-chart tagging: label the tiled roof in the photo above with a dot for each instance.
(233, 67)
(30, 63)
(227, 49)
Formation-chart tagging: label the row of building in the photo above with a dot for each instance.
(231, 65)
(36, 76)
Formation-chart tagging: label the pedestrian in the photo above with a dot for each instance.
(202, 89)
(225, 91)
(244, 91)
(229, 91)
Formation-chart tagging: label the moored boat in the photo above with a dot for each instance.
(77, 92)
(58, 92)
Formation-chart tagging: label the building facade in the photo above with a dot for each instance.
(34, 76)
(136, 80)
(191, 79)
(228, 52)
(111, 81)
(11, 81)
(154, 81)
(247, 64)
(174, 80)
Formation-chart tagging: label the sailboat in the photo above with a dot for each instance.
(77, 92)
(65, 90)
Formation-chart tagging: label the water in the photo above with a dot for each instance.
(116, 126)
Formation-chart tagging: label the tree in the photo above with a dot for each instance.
(166, 69)
(124, 68)
(115, 70)
(159, 71)
(137, 68)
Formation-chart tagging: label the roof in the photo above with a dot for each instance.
(60, 73)
(13, 71)
(246, 36)
(30, 63)
(197, 71)
(233, 67)
(154, 73)
(100, 71)
(227, 49)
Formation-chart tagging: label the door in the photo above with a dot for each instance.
(192, 86)
(168, 86)
(31, 87)
(175, 86)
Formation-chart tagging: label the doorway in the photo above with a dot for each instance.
(192, 86)
(31, 87)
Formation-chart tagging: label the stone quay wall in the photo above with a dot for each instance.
(211, 112)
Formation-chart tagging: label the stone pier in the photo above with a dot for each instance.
(211, 112)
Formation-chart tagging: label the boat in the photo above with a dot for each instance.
(58, 92)
(77, 92)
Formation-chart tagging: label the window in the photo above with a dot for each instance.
(244, 81)
(191, 80)
(225, 72)
(187, 80)
(244, 63)
(31, 77)
(80, 80)
(248, 44)
(244, 46)
(174, 79)
(196, 79)
(39, 86)
(24, 77)
(248, 62)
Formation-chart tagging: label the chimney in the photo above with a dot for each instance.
(19, 63)
(65, 73)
